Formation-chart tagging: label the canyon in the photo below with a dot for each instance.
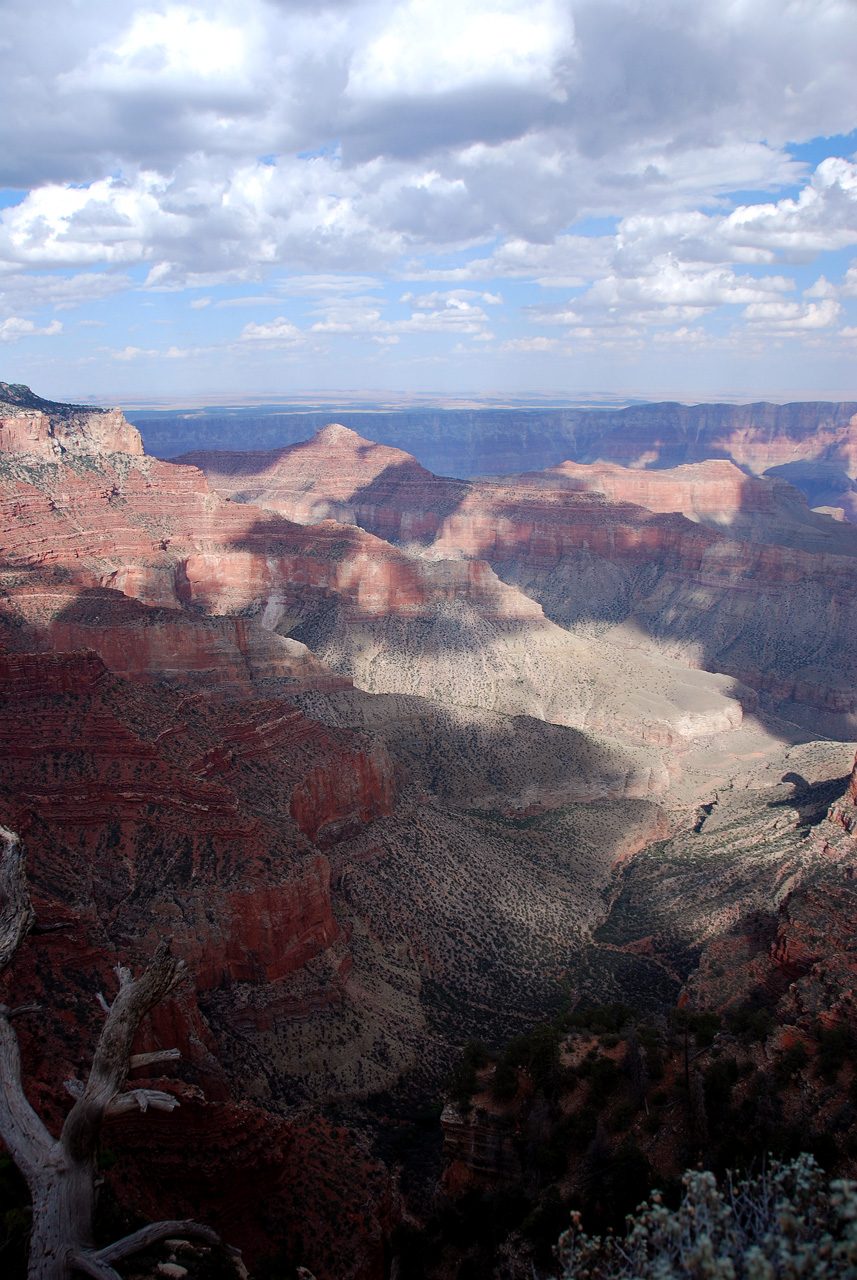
(398, 761)
(810, 443)
(706, 573)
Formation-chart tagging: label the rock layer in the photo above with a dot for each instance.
(774, 607)
(45, 429)
(804, 436)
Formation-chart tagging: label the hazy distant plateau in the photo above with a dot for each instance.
(811, 443)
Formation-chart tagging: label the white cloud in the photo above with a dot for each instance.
(178, 44)
(21, 291)
(430, 314)
(455, 121)
(440, 46)
(822, 288)
(299, 149)
(130, 353)
(793, 316)
(140, 353)
(14, 328)
(280, 331)
(454, 299)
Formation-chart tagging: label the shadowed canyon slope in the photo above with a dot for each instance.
(814, 444)
(747, 582)
(339, 875)
(380, 749)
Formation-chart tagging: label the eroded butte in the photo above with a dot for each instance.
(380, 749)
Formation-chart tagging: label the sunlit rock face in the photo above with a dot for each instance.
(231, 597)
(716, 493)
(702, 563)
(45, 429)
(336, 475)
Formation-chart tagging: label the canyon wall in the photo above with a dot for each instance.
(720, 571)
(472, 442)
(379, 750)
(46, 429)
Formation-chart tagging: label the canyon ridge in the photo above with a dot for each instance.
(402, 761)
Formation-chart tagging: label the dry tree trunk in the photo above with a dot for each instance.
(62, 1172)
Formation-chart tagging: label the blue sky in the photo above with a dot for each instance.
(653, 198)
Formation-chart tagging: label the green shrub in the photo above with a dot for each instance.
(603, 1019)
(752, 1022)
(623, 1116)
(504, 1084)
(462, 1082)
(579, 1128)
(781, 1223)
(790, 1061)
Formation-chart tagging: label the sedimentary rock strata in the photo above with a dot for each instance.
(395, 758)
(816, 441)
(771, 604)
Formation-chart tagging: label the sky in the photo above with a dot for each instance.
(576, 196)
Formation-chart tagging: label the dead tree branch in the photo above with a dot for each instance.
(62, 1172)
(17, 916)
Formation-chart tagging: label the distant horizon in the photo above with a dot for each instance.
(378, 400)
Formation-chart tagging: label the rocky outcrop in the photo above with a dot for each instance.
(228, 597)
(751, 906)
(225, 656)
(45, 429)
(170, 800)
(338, 796)
(478, 1149)
(772, 606)
(844, 812)
(714, 493)
(337, 475)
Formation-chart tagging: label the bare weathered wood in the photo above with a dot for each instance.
(141, 1100)
(159, 1055)
(28, 1140)
(82, 1129)
(21, 1009)
(159, 1231)
(62, 1172)
(22, 1131)
(17, 916)
(90, 1266)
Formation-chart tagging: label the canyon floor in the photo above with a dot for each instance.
(400, 761)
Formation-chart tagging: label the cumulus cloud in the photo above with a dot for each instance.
(279, 331)
(303, 150)
(793, 316)
(531, 344)
(140, 353)
(435, 47)
(451, 121)
(14, 327)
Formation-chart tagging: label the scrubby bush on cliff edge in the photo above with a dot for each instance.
(784, 1224)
